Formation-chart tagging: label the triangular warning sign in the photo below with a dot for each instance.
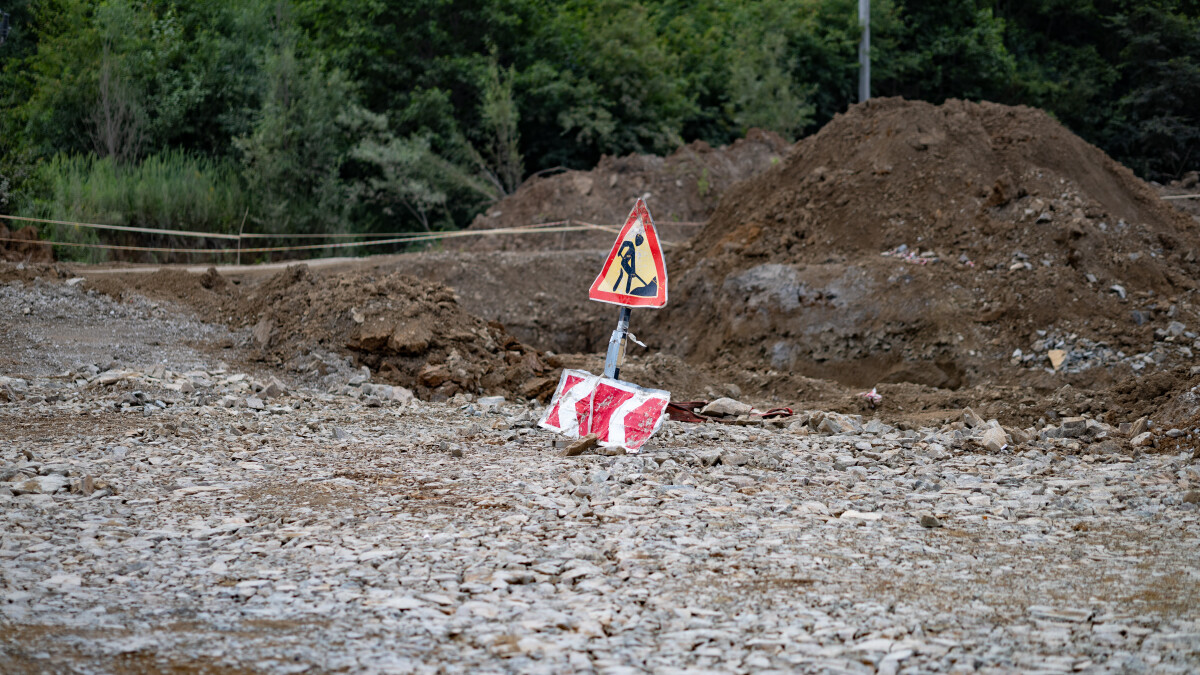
(635, 274)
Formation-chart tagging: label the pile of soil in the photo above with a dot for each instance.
(1008, 239)
(1011, 225)
(682, 188)
(27, 272)
(1188, 187)
(28, 249)
(539, 296)
(411, 332)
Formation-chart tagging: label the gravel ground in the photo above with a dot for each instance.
(161, 512)
(48, 328)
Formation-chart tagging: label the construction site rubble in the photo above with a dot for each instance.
(978, 452)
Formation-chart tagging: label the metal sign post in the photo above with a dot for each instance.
(618, 413)
(616, 345)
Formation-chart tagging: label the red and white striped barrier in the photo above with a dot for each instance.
(621, 414)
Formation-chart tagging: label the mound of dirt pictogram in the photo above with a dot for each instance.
(684, 187)
(949, 246)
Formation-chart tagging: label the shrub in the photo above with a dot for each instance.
(172, 190)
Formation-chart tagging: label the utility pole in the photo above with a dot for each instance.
(864, 51)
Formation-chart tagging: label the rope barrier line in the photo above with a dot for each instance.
(1196, 196)
(501, 230)
(414, 236)
(308, 247)
(115, 247)
(259, 235)
(124, 228)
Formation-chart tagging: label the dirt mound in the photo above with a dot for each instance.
(684, 187)
(1183, 194)
(540, 296)
(1005, 231)
(412, 332)
(27, 272)
(28, 248)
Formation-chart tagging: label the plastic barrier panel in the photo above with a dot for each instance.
(620, 414)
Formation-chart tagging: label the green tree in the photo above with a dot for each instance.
(293, 156)
(500, 161)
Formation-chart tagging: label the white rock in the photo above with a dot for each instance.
(726, 407)
(994, 439)
(859, 515)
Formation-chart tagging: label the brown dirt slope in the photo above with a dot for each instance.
(28, 249)
(412, 332)
(684, 187)
(1024, 227)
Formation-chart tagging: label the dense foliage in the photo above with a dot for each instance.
(374, 115)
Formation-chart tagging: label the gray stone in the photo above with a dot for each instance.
(726, 407)
(45, 485)
(400, 395)
(993, 440)
(970, 419)
(274, 389)
(830, 425)
(1074, 427)
(929, 520)
(1139, 427)
(1142, 440)
(263, 331)
(490, 403)
(581, 445)
(734, 458)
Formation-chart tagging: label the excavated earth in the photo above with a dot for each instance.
(951, 246)
(940, 254)
(174, 498)
(308, 468)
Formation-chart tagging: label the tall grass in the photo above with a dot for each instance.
(173, 190)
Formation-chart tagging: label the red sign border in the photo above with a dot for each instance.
(660, 265)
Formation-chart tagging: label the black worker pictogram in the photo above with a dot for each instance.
(628, 255)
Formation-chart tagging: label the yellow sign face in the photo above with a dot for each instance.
(635, 274)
